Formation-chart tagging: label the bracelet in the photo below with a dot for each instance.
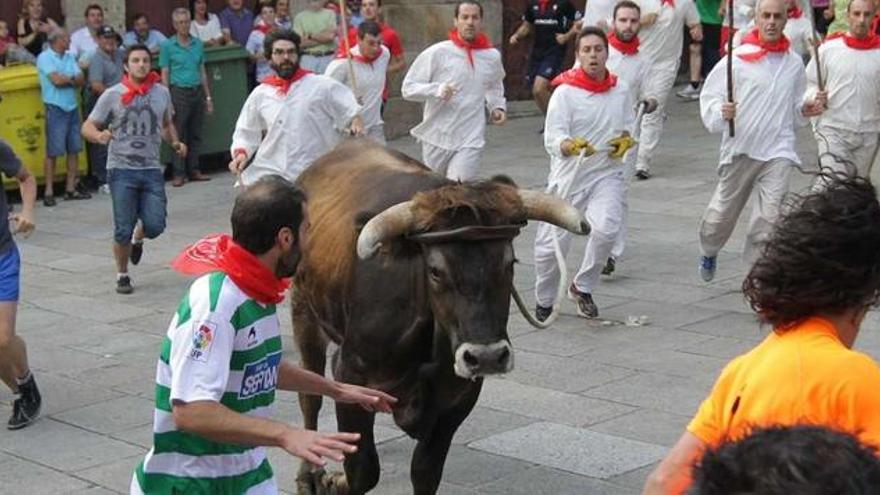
(208, 98)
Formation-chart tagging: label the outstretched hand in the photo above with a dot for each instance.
(370, 399)
(314, 447)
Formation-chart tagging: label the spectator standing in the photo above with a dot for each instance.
(316, 26)
(370, 62)
(205, 25)
(60, 78)
(84, 41)
(104, 71)
(836, 15)
(135, 115)
(10, 51)
(371, 11)
(265, 25)
(182, 60)
(14, 370)
(34, 26)
(706, 53)
(282, 14)
(357, 15)
(553, 23)
(819, 8)
(142, 34)
(236, 22)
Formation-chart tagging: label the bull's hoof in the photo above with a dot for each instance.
(333, 484)
(308, 479)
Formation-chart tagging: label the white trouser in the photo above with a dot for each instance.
(460, 165)
(846, 152)
(601, 197)
(736, 181)
(628, 173)
(658, 84)
(268, 487)
(376, 133)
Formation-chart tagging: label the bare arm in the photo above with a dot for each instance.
(166, 77)
(93, 134)
(296, 379)
(327, 36)
(522, 31)
(97, 87)
(397, 64)
(22, 39)
(24, 222)
(673, 474)
(648, 20)
(209, 101)
(61, 80)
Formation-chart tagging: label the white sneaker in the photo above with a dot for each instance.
(104, 189)
(689, 93)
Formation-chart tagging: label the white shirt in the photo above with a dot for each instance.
(631, 68)
(370, 78)
(82, 44)
(661, 42)
(461, 121)
(852, 79)
(300, 127)
(206, 32)
(598, 117)
(743, 14)
(798, 31)
(769, 95)
(599, 10)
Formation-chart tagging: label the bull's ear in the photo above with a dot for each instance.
(503, 179)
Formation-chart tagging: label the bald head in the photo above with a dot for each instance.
(770, 17)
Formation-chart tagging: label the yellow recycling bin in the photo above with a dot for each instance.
(23, 122)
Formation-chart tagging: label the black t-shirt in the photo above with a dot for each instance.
(557, 18)
(9, 165)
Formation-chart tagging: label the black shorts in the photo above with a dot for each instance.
(711, 47)
(547, 65)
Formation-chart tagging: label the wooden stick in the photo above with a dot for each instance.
(816, 42)
(730, 125)
(347, 45)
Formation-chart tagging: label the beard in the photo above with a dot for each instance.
(287, 264)
(285, 70)
(625, 36)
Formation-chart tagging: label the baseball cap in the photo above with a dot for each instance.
(106, 32)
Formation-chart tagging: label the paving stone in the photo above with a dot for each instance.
(720, 347)
(64, 447)
(83, 307)
(541, 479)
(21, 476)
(634, 479)
(115, 475)
(549, 405)
(646, 425)
(565, 375)
(483, 422)
(673, 394)
(468, 467)
(575, 450)
(733, 324)
(111, 416)
(61, 393)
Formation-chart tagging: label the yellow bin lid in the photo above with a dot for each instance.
(18, 77)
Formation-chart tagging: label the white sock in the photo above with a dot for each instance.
(24, 379)
(120, 275)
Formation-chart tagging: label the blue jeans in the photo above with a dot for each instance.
(62, 131)
(137, 194)
(10, 269)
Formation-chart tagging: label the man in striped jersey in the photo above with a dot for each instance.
(221, 363)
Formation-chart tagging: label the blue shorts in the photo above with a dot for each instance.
(137, 195)
(547, 65)
(62, 131)
(10, 271)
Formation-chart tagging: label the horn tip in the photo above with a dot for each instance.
(584, 227)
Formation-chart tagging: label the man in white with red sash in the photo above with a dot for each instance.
(456, 80)
(847, 131)
(369, 63)
(591, 108)
(769, 85)
(662, 36)
(798, 30)
(291, 119)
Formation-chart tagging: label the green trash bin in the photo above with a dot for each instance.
(227, 76)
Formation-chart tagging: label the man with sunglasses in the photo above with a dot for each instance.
(299, 113)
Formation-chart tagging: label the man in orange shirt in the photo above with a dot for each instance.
(815, 281)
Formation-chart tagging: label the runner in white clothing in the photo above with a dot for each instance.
(590, 108)
(662, 36)
(770, 80)
(847, 132)
(456, 79)
(798, 30)
(370, 62)
(291, 119)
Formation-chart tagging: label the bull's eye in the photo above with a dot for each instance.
(435, 273)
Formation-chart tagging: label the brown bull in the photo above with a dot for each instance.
(410, 274)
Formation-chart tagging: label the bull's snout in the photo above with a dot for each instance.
(473, 360)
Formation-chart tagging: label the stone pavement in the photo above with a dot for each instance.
(589, 409)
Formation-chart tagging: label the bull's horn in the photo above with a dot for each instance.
(551, 209)
(391, 223)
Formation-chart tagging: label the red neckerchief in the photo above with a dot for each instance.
(481, 42)
(867, 43)
(671, 3)
(218, 252)
(542, 5)
(283, 85)
(579, 79)
(263, 28)
(630, 47)
(754, 38)
(357, 57)
(795, 13)
(142, 90)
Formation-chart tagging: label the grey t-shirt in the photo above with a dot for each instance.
(106, 69)
(136, 127)
(10, 165)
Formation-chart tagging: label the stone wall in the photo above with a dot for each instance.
(114, 13)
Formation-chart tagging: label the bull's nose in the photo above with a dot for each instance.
(472, 360)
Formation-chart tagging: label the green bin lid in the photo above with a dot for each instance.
(224, 53)
(18, 77)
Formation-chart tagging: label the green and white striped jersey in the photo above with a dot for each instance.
(225, 347)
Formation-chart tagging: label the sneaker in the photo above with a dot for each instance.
(123, 285)
(707, 268)
(542, 313)
(585, 305)
(137, 251)
(643, 175)
(49, 201)
(689, 93)
(75, 195)
(104, 189)
(26, 408)
(610, 265)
